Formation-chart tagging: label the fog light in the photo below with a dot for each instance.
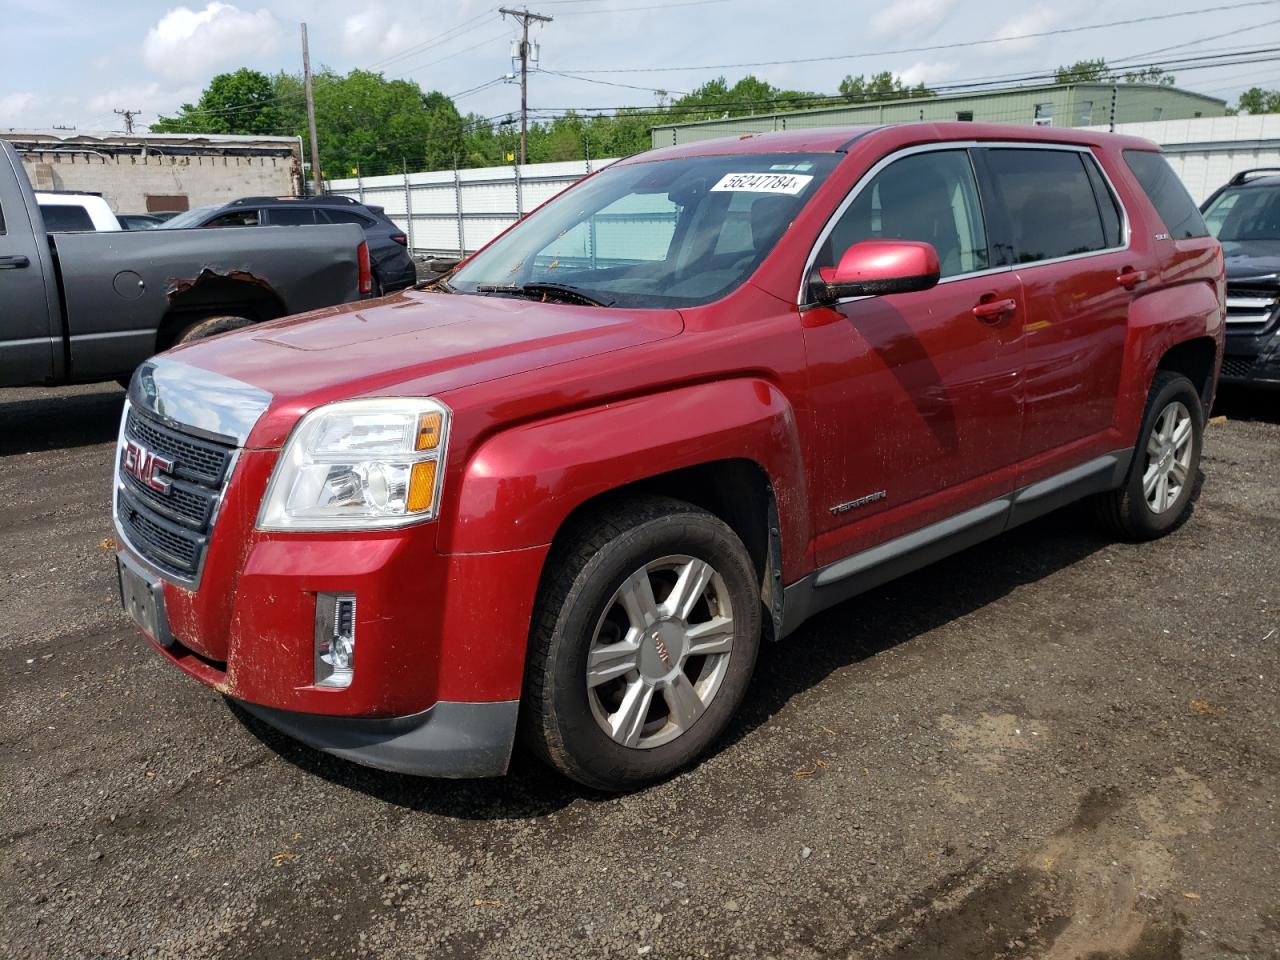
(335, 639)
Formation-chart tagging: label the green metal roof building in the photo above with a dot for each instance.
(1062, 105)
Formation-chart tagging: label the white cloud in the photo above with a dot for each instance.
(1035, 20)
(19, 109)
(923, 72)
(376, 31)
(189, 44)
(909, 17)
(153, 99)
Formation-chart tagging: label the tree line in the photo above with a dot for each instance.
(376, 126)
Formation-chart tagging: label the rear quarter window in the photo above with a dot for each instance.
(1167, 194)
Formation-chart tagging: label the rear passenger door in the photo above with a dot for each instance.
(1058, 220)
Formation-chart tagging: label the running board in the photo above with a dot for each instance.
(843, 579)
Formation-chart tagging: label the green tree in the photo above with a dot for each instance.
(1082, 71)
(1150, 75)
(242, 102)
(879, 86)
(1097, 71)
(1257, 100)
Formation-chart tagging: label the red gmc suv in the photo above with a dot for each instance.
(703, 394)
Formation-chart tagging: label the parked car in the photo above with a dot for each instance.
(66, 211)
(163, 215)
(1245, 217)
(393, 267)
(138, 221)
(80, 307)
(690, 402)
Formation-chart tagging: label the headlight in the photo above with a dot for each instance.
(360, 465)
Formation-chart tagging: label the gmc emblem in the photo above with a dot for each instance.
(151, 468)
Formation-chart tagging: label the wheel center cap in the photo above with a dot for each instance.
(661, 649)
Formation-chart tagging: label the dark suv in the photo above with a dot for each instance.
(1245, 217)
(393, 267)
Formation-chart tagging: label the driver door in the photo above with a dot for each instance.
(916, 397)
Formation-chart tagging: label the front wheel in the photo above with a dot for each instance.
(643, 644)
(209, 326)
(1157, 494)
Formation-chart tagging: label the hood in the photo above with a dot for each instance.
(439, 341)
(1252, 259)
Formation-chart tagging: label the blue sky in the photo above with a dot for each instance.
(73, 62)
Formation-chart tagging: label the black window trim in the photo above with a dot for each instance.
(976, 150)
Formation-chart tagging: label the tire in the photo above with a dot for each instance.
(1136, 511)
(593, 596)
(208, 326)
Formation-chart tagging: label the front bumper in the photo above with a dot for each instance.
(447, 740)
(1252, 362)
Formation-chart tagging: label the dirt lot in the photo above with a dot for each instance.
(1049, 746)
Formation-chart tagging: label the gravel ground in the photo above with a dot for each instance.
(1050, 746)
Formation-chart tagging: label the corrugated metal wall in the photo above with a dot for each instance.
(1070, 105)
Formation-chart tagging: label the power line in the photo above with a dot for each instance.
(934, 47)
(655, 6)
(474, 23)
(614, 83)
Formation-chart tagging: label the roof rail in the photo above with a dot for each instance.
(324, 199)
(1244, 176)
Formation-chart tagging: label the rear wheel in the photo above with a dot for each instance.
(208, 326)
(1157, 494)
(643, 644)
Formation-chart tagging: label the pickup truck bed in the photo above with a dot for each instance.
(80, 307)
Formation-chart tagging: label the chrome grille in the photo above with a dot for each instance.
(1250, 307)
(171, 529)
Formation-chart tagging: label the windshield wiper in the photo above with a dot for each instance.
(560, 290)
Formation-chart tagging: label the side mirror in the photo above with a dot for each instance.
(871, 268)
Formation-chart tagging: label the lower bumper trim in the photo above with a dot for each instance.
(450, 739)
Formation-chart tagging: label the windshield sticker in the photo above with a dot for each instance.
(786, 183)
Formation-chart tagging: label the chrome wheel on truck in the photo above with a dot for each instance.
(660, 651)
(643, 643)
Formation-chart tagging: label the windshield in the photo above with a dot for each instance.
(1248, 213)
(668, 233)
(190, 218)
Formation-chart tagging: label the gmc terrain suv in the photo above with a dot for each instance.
(693, 400)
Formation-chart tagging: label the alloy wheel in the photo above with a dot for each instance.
(1168, 461)
(660, 651)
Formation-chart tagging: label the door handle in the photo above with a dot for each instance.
(17, 262)
(993, 311)
(1130, 278)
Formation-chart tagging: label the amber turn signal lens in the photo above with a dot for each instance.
(422, 486)
(429, 431)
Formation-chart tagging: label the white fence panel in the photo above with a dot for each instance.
(456, 212)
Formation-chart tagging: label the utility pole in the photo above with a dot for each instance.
(128, 118)
(317, 184)
(525, 18)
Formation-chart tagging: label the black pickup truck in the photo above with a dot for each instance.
(80, 307)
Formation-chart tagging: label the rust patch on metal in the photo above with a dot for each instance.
(181, 285)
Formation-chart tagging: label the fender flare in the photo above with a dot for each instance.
(519, 486)
(1159, 321)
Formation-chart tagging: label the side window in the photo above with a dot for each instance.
(290, 216)
(1167, 194)
(237, 218)
(1108, 206)
(65, 218)
(931, 197)
(345, 216)
(1050, 203)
